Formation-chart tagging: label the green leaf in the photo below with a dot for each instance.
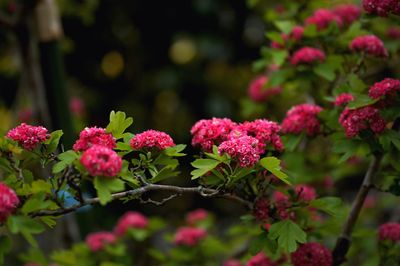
(53, 141)
(292, 141)
(165, 173)
(325, 70)
(284, 26)
(40, 186)
(258, 243)
(330, 205)
(278, 77)
(272, 164)
(26, 226)
(288, 234)
(5, 247)
(204, 166)
(66, 159)
(279, 57)
(118, 124)
(175, 151)
(275, 36)
(105, 186)
(35, 203)
(361, 101)
(356, 84)
(310, 31)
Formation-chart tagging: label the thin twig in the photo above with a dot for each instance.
(158, 203)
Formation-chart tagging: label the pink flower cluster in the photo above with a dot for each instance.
(389, 231)
(101, 161)
(258, 93)
(322, 18)
(232, 262)
(312, 254)
(261, 209)
(343, 99)
(356, 120)
(97, 241)
(302, 118)
(130, 220)
(29, 137)
(369, 44)
(260, 260)
(94, 136)
(196, 216)
(151, 139)
(266, 132)
(189, 236)
(8, 202)
(386, 87)
(244, 149)
(393, 33)
(382, 7)
(209, 132)
(307, 55)
(347, 12)
(305, 193)
(294, 36)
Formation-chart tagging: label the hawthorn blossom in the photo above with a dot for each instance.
(301, 118)
(94, 136)
(322, 18)
(382, 7)
(261, 260)
(261, 209)
(312, 254)
(196, 216)
(356, 120)
(369, 44)
(294, 36)
(386, 87)
(258, 93)
(305, 192)
(8, 202)
(129, 220)
(151, 139)
(348, 13)
(97, 241)
(29, 137)
(243, 149)
(307, 55)
(343, 99)
(189, 236)
(101, 161)
(393, 33)
(389, 231)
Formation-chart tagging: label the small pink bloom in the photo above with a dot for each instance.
(322, 18)
(29, 137)
(260, 260)
(8, 202)
(369, 44)
(312, 254)
(386, 87)
(389, 231)
(261, 209)
(243, 149)
(189, 236)
(393, 33)
(382, 7)
(232, 262)
(305, 193)
(196, 216)
(301, 118)
(129, 220)
(307, 55)
(94, 136)
(347, 12)
(97, 241)
(258, 93)
(101, 161)
(77, 106)
(343, 99)
(152, 139)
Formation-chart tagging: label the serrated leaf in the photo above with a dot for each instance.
(272, 164)
(330, 205)
(66, 159)
(35, 203)
(118, 124)
(326, 71)
(284, 26)
(53, 141)
(288, 234)
(105, 186)
(163, 174)
(175, 151)
(204, 166)
(361, 101)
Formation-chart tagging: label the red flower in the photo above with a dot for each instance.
(369, 44)
(29, 137)
(94, 136)
(258, 93)
(302, 118)
(386, 87)
(151, 139)
(97, 241)
(232, 262)
(307, 55)
(305, 193)
(312, 254)
(322, 18)
(347, 12)
(101, 161)
(189, 236)
(389, 231)
(393, 33)
(8, 202)
(343, 99)
(129, 220)
(196, 216)
(243, 149)
(261, 209)
(260, 260)
(295, 36)
(382, 7)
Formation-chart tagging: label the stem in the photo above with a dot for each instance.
(205, 192)
(343, 242)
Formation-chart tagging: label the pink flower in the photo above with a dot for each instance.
(301, 118)
(386, 87)
(347, 12)
(265, 131)
(260, 260)
(151, 139)
(343, 99)
(356, 120)
(189, 236)
(389, 231)
(294, 36)
(312, 254)
(101, 161)
(258, 93)
(77, 106)
(232, 262)
(307, 55)
(369, 44)
(97, 241)
(243, 149)
(196, 216)
(261, 209)
(393, 33)
(382, 7)
(94, 136)
(282, 203)
(29, 137)
(129, 220)
(305, 193)
(209, 132)
(322, 18)
(8, 202)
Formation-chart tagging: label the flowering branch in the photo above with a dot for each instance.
(205, 192)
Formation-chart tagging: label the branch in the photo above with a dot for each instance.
(205, 192)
